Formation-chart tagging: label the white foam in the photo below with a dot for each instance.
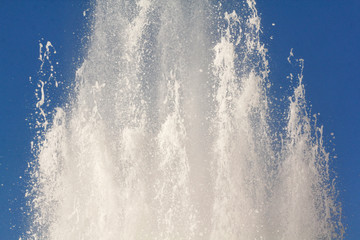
(170, 135)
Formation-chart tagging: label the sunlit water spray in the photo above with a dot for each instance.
(170, 135)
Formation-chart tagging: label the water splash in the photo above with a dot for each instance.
(169, 135)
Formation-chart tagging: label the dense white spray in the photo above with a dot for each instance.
(169, 135)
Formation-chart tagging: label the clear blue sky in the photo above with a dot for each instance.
(323, 32)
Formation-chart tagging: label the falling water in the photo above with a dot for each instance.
(171, 133)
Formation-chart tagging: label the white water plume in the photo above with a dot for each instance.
(170, 135)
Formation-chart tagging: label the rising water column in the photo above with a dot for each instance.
(170, 134)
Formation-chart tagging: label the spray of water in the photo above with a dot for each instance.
(170, 135)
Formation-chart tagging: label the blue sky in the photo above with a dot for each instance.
(323, 32)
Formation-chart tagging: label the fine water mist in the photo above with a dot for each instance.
(171, 133)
